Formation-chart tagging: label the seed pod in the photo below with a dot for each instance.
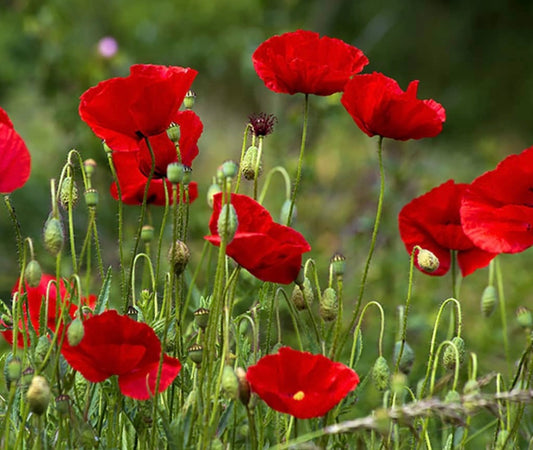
(427, 260)
(227, 223)
(91, 197)
(488, 300)
(524, 317)
(195, 353)
(63, 404)
(178, 256)
(53, 235)
(38, 395)
(448, 358)
(228, 169)
(329, 306)
(381, 374)
(201, 317)
(33, 273)
(173, 133)
(338, 264)
(190, 99)
(175, 172)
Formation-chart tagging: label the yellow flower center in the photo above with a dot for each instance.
(299, 395)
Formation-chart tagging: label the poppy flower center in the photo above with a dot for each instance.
(299, 395)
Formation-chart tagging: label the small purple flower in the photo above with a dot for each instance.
(262, 123)
(107, 47)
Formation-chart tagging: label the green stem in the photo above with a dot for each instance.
(16, 225)
(300, 159)
(503, 312)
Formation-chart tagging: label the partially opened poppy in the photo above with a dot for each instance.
(133, 181)
(379, 107)
(302, 61)
(300, 383)
(15, 160)
(497, 207)
(432, 221)
(113, 344)
(125, 112)
(268, 250)
(35, 296)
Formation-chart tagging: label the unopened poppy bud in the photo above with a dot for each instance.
(408, 356)
(229, 169)
(471, 387)
(63, 404)
(452, 397)
(41, 349)
(230, 383)
(195, 352)
(12, 369)
(89, 165)
(147, 233)
(179, 255)
(381, 374)
(38, 395)
(201, 317)
(173, 133)
(297, 298)
(449, 356)
(68, 194)
(53, 235)
(91, 197)
(211, 192)
(227, 223)
(338, 264)
(250, 162)
(189, 100)
(398, 382)
(33, 273)
(329, 306)
(187, 175)
(523, 317)
(284, 215)
(175, 172)
(244, 386)
(488, 300)
(427, 260)
(75, 332)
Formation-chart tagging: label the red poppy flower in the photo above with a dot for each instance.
(35, 297)
(497, 208)
(302, 61)
(300, 383)
(269, 251)
(117, 345)
(432, 221)
(15, 160)
(125, 111)
(379, 107)
(133, 182)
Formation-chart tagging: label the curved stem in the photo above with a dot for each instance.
(300, 159)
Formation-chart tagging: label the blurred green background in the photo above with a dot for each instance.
(473, 57)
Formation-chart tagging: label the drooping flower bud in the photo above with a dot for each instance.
(53, 235)
(91, 197)
(41, 349)
(195, 352)
(227, 223)
(449, 356)
(427, 260)
(175, 172)
(329, 305)
(524, 318)
(68, 194)
(381, 374)
(213, 189)
(297, 298)
(201, 317)
(284, 215)
(75, 332)
(408, 356)
(488, 300)
(147, 233)
(244, 386)
(12, 369)
(33, 273)
(189, 100)
(250, 162)
(178, 256)
(38, 395)
(230, 383)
